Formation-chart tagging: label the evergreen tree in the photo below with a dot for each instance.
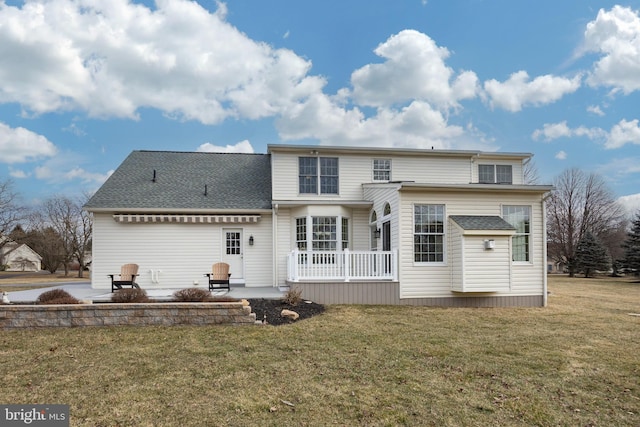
(591, 255)
(632, 245)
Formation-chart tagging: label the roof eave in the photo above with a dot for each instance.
(176, 210)
(541, 189)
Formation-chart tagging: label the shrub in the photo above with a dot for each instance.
(130, 296)
(192, 295)
(67, 300)
(56, 296)
(293, 296)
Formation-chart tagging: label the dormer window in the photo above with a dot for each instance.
(495, 174)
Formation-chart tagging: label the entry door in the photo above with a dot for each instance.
(232, 253)
(386, 244)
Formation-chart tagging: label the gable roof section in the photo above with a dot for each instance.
(233, 182)
(482, 223)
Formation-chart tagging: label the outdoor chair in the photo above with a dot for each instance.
(128, 273)
(219, 276)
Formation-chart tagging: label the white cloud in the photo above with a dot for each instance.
(414, 69)
(624, 132)
(595, 109)
(111, 58)
(65, 168)
(551, 131)
(417, 125)
(519, 91)
(616, 35)
(631, 204)
(18, 145)
(240, 147)
(561, 155)
(18, 173)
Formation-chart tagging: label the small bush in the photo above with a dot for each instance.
(56, 296)
(192, 295)
(67, 300)
(130, 296)
(293, 296)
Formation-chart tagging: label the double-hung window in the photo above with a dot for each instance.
(520, 218)
(318, 175)
(495, 174)
(322, 233)
(429, 233)
(381, 170)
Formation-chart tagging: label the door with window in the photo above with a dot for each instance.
(232, 253)
(386, 244)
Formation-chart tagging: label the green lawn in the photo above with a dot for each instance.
(573, 363)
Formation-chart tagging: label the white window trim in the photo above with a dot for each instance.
(373, 170)
(530, 262)
(445, 239)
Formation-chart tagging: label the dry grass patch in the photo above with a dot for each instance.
(575, 362)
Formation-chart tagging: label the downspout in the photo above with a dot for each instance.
(274, 244)
(544, 249)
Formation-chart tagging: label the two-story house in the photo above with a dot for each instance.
(343, 224)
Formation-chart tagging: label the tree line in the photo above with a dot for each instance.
(59, 230)
(587, 230)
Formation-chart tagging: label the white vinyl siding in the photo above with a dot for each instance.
(175, 255)
(424, 280)
(356, 170)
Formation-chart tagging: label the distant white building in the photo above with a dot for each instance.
(19, 257)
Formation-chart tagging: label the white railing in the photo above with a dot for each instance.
(346, 265)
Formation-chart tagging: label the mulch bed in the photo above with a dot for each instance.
(273, 307)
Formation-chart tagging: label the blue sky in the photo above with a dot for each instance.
(85, 82)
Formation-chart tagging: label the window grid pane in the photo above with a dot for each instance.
(329, 175)
(345, 233)
(233, 243)
(504, 174)
(308, 175)
(520, 218)
(324, 233)
(301, 233)
(429, 233)
(486, 174)
(381, 170)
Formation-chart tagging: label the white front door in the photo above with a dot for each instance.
(233, 253)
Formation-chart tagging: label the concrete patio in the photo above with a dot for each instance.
(83, 291)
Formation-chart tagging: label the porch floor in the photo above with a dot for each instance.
(84, 291)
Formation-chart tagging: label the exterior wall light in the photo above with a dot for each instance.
(377, 233)
(250, 240)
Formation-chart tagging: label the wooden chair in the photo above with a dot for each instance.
(128, 273)
(219, 276)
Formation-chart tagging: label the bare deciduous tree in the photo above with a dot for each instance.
(11, 212)
(73, 225)
(579, 204)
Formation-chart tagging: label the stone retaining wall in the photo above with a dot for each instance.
(134, 314)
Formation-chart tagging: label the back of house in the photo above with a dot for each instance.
(343, 224)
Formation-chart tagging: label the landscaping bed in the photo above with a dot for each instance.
(271, 310)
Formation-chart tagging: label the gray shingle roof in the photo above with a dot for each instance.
(233, 180)
(477, 222)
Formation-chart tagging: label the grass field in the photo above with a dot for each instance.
(573, 363)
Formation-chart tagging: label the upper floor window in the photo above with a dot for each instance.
(495, 174)
(381, 170)
(428, 234)
(520, 218)
(318, 175)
